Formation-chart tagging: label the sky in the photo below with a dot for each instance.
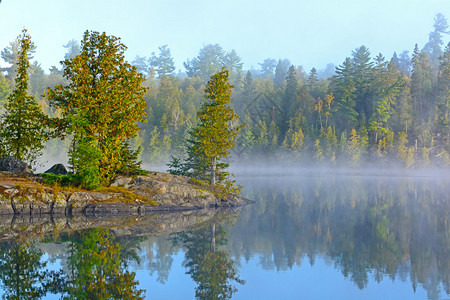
(310, 33)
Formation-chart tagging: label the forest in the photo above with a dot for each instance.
(371, 109)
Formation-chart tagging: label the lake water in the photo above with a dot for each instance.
(307, 237)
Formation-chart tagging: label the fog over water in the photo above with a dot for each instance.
(315, 235)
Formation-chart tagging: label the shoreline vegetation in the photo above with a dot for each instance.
(127, 195)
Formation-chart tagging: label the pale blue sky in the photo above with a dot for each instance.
(309, 33)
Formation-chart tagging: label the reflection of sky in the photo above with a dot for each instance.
(321, 281)
(179, 285)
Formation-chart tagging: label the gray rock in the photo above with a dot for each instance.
(121, 181)
(175, 191)
(13, 165)
(57, 169)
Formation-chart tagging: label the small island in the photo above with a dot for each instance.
(127, 195)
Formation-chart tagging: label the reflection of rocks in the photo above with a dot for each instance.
(30, 226)
(134, 195)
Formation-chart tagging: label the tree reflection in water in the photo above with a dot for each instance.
(370, 227)
(23, 274)
(97, 269)
(212, 269)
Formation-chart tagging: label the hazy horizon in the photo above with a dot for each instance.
(308, 34)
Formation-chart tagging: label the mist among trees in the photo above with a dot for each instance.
(371, 108)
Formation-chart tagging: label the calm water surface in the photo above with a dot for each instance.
(307, 237)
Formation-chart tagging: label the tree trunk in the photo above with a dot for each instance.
(213, 170)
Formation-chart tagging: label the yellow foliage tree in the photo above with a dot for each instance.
(102, 103)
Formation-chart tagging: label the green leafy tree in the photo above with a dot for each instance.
(158, 147)
(163, 63)
(281, 72)
(244, 95)
(404, 63)
(215, 133)
(85, 159)
(421, 85)
(405, 153)
(362, 75)
(274, 133)
(290, 97)
(443, 103)
(247, 142)
(142, 65)
(318, 152)
(354, 148)
(210, 60)
(262, 139)
(233, 62)
(37, 79)
(268, 67)
(296, 145)
(388, 85)
(344, 90)
(23, 123)
(435, 41)
(103, 101)
(331, 144)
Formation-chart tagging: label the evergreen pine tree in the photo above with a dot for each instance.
(214, 135)
(23, 124)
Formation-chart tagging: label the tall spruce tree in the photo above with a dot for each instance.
(345, 93)
(163, 64)
(281, 71)
(214, 136)
(22, 128)
(421, 84)
(290, 98)
(362, 76)
(443, 103)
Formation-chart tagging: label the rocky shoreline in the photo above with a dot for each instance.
(137, 195)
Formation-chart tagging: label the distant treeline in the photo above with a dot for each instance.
(367, 109)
